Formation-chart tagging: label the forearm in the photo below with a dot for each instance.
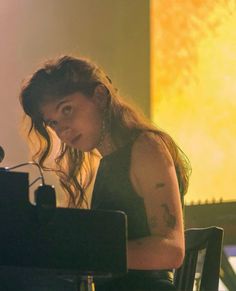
(154, 252)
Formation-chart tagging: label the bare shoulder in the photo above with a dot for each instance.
(151, 163)
(150, 146)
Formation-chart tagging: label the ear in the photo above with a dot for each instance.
(101, 96)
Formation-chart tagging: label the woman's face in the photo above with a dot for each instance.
(76, 119)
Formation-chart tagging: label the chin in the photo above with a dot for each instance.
(84, 145)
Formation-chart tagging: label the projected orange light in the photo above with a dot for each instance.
(193, 57)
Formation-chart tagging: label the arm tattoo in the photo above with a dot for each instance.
(160, 185)
(168, 217)
(153, 222)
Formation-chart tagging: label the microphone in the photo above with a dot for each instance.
(2, 154)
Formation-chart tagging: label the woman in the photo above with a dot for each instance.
(142, 171)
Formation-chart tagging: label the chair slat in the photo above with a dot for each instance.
(207, 240)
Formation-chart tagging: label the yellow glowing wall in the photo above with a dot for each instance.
(193, 88)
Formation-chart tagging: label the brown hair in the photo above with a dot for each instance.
(66, 75)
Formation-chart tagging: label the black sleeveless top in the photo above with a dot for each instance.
(113, 191)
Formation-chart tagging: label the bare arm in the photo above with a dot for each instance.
(154, 178)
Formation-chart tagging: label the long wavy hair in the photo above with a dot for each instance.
(66, 75)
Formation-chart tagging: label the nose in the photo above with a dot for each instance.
(63, 132)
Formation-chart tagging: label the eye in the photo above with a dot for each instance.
(67, 110)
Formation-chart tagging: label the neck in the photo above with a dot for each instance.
(106, 146)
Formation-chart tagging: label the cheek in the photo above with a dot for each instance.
(96, 123)
(96, 126)
(88, 121)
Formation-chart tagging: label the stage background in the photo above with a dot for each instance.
(115, 34)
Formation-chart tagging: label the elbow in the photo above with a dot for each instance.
(178, 257)
(172, 259)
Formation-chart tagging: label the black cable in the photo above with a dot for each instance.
(35, 180)
(29, 163)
